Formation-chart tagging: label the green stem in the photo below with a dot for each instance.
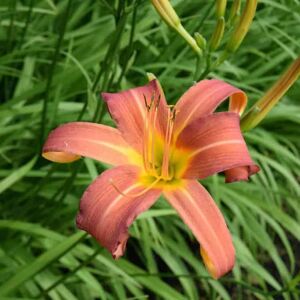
(198, 68)
(210, 67)
(207, 68)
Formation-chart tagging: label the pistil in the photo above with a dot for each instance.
(145, 141)
(165, 172)
(153, 130)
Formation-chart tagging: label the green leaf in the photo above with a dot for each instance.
(30, 270)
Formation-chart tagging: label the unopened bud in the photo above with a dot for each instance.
(220, 8)
(168, 14)
(261, 108)
(200, 40)
(217, 36)
(234, 11)
(242, 27)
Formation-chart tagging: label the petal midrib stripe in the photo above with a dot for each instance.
(106, 144)
(139, 104)
(216, 144)
(116, 200)
(208, 224)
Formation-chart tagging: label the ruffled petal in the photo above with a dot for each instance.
(198, 210)
(70, 141)
(203, 98)
(128, 109)
(213, 144)
(109, 206)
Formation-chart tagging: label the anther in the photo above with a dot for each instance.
(174, 113)
(146, 103)
(158, 101)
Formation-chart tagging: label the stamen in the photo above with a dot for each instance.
(153, 133)
(158, 101)
(150, 134)
(137, 194)
(165, 172)
(145, 141)
(153, 141)
(165, 163)
(150, 137)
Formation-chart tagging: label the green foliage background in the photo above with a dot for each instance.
(55, 58)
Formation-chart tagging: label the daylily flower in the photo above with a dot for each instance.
(160, 149)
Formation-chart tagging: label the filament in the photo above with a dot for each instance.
(150, 134)
(153, 141)
(149, 139)
(145, 141)
(168, 141)
(134, 195)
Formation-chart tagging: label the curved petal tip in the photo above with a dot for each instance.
(60, 157)
(240, 173)
(70, 141)
(208, 263)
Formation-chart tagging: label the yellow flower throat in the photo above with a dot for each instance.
(161, 159)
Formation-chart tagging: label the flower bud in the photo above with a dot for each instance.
(220, 8)
(234, 11)
(217, 36)
(242, 27)
(261, 108)
(200, 40)
(168, 14)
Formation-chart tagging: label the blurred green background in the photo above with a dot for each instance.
(55, 58)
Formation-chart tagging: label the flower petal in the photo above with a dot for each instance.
(108, 207)
(240, 173)
(70, 141)
(214, 144)
(128, 109)
(198, 210)
(203, 98)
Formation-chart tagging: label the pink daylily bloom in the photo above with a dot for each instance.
(160, 149)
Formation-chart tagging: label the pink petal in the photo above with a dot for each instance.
(106, 213)
(198, 210)
(214, 144)
(240, 173)
(70, 141)
(203, 98)
(128, 110)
